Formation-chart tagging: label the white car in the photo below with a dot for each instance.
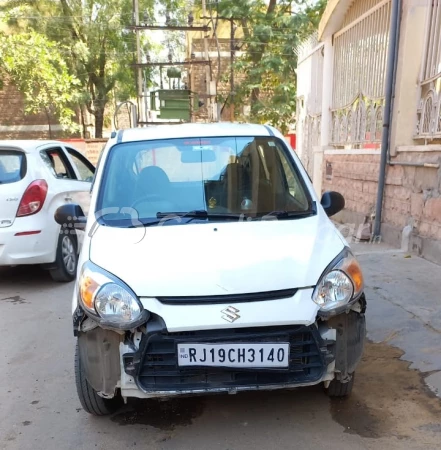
(210, 265)
(36, 177)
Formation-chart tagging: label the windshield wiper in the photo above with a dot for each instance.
(283, 214)
(162, 217)
(288, 214)
(197, 214)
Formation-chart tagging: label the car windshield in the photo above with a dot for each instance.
(201, 178)
(12, 166)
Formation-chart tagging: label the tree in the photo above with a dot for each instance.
(47, 85)
(100, 47)
(271, 30)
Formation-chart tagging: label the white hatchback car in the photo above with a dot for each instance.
(36, 177)
(210, 265)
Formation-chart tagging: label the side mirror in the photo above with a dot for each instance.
(332, 202)
(71, 216)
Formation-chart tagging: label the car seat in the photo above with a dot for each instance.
(236, 186)
(154, 186)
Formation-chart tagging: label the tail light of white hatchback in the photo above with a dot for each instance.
(33, 198)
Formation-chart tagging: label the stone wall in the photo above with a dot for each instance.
(412, 196)
(93, 149)
(355, 177)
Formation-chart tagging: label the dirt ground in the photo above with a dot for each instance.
(389, 399)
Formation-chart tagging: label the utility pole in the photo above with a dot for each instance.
(232, 49)
(141, 78)
(138, 60)
(207, 68)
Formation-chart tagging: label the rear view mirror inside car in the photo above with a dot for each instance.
(198, 156)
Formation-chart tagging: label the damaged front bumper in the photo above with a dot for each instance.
(144, 363)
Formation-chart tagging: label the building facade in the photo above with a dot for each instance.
(342, 86)
(222, 47)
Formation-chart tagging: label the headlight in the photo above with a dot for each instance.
(105, 296)
(341, 283)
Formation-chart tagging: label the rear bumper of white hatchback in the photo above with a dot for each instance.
(26, 242)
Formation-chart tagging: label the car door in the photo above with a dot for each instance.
(84, 171)
(56, 168)
(64, 186)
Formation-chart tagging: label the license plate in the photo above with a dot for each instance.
(267, 355)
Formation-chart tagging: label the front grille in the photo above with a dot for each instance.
(157, 367)
(229, 298)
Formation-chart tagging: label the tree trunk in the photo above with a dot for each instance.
(255, 93)
(82, 110)
(48, 122)
(99, 121)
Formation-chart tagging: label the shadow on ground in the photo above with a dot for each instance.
(24, 275)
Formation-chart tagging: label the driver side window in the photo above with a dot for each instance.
(83, 166)
(57, 163)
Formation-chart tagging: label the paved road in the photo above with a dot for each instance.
(391, 406)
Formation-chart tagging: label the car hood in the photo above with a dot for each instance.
(218, 258)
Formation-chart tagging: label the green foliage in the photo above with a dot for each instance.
(272, 30)
(92, 45)
(37, 67)
(95, 43)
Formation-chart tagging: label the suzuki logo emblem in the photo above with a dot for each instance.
(230, 314)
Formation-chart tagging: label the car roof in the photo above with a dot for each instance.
(192, 130)
(27, 145)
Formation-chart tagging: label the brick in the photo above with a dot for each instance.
(395, 173)
(373, 188)
(409, 177)
(424, 229)
(416, 205)
(12, 113)
(357, 186)
(434, 228)
(425, 179)
(432, 210)
(400, 193)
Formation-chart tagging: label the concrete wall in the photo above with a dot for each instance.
(410, 57)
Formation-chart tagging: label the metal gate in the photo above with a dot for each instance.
(360, 59)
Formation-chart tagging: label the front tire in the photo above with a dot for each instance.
(89, 399)
(66, 261)
(337, 389)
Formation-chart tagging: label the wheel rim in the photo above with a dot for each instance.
(68, 254)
